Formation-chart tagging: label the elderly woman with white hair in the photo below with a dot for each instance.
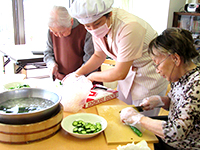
(124, 37)
(69, 45)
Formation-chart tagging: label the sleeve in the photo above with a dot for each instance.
(88, 47)
(48, 53)
(130, 41)
(187, 115)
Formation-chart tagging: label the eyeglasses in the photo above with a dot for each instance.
(156, 66)
(60, 33)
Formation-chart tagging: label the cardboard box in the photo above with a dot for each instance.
(100, 94)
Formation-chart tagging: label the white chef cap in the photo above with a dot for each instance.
(88, 11)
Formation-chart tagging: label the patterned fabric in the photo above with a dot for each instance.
(183, 126)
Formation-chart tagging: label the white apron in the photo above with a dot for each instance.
(126, 84)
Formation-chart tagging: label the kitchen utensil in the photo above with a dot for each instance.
(86, 117)
(53, 77)
(139, 108)
(160, 117)
(118, 133)
(29, 117)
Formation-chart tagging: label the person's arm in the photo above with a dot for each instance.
(152, 125)
(153, 101)
(93, 63)
(88, 47)
(182, 122)
(49, 58)
(88, 50)
(130, 45)
(166, 100)
(48, 52)
(119, 72)
(131, 116)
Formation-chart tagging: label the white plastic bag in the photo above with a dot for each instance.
(74, 92)
(142, 145)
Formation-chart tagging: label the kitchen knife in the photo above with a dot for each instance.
(53, 77)
(100, 87)
(140, 108)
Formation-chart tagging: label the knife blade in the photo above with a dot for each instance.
(53, 77)
(140, 108)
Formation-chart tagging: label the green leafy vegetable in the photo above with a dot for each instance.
(19, 86)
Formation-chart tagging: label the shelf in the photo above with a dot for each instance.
(187, 13)
(189, 21)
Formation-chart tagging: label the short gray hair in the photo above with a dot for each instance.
(59, 17)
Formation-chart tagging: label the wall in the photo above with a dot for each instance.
(155, 12)
(158, 13)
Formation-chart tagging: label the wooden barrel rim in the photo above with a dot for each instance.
(30, 138)
(34, 127)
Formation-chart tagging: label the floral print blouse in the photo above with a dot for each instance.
(182, 130)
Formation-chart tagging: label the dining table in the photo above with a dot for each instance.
(64, 141)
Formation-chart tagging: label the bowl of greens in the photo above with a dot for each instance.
(84, 125)
(16, 85)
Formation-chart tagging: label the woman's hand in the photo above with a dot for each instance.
(59, 76)
(130, 116)
(70, 78)
(151, 102)
(89, 77)
(53, 69)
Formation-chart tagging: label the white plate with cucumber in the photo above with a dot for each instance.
(84, 125)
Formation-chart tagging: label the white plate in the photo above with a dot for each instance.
(13, 84)
(86, 117)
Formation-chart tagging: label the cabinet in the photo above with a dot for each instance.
(189, 21)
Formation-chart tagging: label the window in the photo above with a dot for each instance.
(6, 23)
(30, 20)
(25, 22)
(36, 14)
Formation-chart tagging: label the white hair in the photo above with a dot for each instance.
(59, 17)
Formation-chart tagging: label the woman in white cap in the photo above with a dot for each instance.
(124, 37)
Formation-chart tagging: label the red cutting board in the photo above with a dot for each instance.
(118, 133)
